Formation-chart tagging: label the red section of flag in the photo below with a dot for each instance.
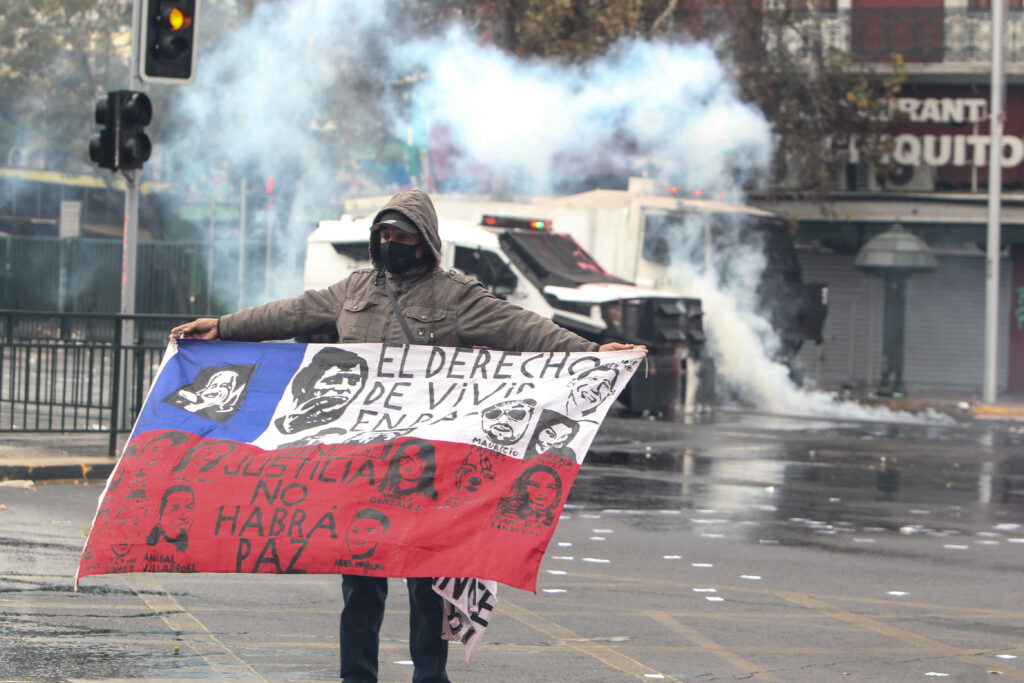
(408, 507)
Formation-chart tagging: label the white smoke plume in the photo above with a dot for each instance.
(741, 338)
(262, 92)
(647, 107)
(256, 105)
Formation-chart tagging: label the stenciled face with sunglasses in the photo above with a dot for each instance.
(505, 423)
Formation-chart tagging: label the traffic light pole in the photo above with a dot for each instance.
(130, 244)
(129, 253)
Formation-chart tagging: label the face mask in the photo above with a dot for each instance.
(398, 257)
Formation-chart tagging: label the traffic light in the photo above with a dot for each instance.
(122, 144)
(167, 51)
(133, 146)
(103, 144)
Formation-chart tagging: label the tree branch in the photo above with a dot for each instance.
(664, 18)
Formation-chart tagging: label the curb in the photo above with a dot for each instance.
(997, 412)
(979, 411)
(99, 468)
(81, 471)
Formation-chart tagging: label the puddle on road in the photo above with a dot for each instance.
(814, 480)
(89, 657)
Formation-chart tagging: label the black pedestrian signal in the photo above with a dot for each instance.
(103, 144)
(123, 143)
(133, 144)
(167, 51)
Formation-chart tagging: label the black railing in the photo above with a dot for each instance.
(953, 35)
(77, 372)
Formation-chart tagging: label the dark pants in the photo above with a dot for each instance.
(361, 618)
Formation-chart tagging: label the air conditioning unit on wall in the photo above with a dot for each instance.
(909, 179)
(859, 177)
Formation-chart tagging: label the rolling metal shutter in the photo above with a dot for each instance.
(945, 328)
(944, 332)
(850, 355)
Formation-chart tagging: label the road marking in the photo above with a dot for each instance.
(565, 636)
(710, 646)
(189, 629)
(869, 624)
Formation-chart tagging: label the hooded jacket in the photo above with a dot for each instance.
(442, 308)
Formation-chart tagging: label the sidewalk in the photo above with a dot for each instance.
(52, 456)
(1006, 407)
(36, 456)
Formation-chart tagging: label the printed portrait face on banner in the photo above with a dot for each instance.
(205, 456)
(590, 389)
(410, 470)
(474, 470)
(535, 495)
(216, 393)
(505, 423)
(553, 433)
(174, 519)
(158, 447)
(367, 529)
(323, 389)
(126, 524)
(130, 451)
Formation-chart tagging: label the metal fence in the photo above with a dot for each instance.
(83, 275)
(77, 372)
(954, 35)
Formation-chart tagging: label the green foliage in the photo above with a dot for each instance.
(56, 58)
(816, 98)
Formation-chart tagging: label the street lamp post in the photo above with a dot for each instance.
(894, 255)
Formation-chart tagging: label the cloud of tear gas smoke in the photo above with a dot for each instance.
(676, 107)
(666, 109)
(259, 92)
(255, 105)
(660, 108)
(742, 340)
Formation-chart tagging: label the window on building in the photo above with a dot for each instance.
(914, 29)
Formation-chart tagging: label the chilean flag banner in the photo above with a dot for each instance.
(367, 459)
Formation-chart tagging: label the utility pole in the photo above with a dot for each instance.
(995, 188)
(130, 245)
(163, 51)
(241, 246)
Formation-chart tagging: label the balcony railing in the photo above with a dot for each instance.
(955, 36)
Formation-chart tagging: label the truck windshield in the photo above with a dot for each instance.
(550, 259)
(683, 237)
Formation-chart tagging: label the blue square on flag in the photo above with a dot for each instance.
(222, 390)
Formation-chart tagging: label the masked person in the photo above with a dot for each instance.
(440, 307)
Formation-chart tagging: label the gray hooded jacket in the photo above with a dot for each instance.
(441, 307)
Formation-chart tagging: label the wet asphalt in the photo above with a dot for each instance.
(747, 547)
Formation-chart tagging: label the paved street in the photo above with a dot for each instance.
(754, 547)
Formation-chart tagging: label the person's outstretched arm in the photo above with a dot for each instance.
(200, 328)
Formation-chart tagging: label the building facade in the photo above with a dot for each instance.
(938, 190)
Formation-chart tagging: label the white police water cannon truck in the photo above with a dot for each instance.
(650, 233)
(523, 261)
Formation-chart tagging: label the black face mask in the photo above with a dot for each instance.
(398, 257)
